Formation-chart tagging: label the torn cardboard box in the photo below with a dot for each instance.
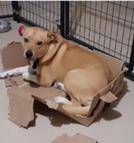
(22, 95)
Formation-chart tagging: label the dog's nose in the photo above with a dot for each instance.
(29, 54)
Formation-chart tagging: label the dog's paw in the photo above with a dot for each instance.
(62, 100)
(51, 104)
(29, 77)
(26, 75)
(59, 85)
(3, 75)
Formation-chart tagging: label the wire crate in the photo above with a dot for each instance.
(106, 25)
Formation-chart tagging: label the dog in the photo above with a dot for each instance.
(82, 74)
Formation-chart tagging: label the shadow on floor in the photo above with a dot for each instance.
(57, 119)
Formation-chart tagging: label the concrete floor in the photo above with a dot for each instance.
(116, 126)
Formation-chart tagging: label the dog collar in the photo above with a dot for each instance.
(35, 63)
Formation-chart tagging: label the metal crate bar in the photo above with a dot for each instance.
(6, 10)
(41, 13)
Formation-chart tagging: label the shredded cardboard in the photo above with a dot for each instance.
(12, 56)
(78, 138)
(109, 97)
(20, 106)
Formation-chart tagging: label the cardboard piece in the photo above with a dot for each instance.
(20, 107)
(12, 56)
(46, 95)
(109, 97)
(78, 138)
(13, 81)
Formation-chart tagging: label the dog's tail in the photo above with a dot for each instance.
(66, 106)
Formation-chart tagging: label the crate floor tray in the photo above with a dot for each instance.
(22, 95)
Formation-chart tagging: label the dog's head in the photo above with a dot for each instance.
(38, 43)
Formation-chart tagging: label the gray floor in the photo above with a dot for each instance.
(116, 127)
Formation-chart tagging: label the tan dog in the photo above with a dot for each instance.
(58, 60)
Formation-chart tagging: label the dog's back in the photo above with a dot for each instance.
(75, 57)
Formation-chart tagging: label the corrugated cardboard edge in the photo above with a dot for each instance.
(112, 87)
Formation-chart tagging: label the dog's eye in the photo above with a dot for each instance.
(26, 40)
(39, 43)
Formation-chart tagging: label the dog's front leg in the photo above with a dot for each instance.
(35, 78)
(15, 72)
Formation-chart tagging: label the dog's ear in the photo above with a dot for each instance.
(50, 53)
(52, 49)
(51, 37)
(21, 30)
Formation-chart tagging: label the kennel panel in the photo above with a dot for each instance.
(107, 26)
(45, 14)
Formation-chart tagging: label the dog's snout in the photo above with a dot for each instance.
(29, 54)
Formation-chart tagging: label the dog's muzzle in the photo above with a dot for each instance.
(28, 54)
